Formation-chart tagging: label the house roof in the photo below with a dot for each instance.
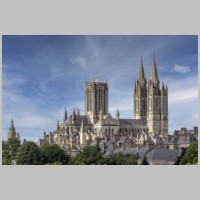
(163, 154)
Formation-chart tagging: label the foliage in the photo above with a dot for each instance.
(9, 150)
(5, 158)
(53, 154)
(121, 159)
(91, 155)
(29, 154)
(183, 151)
(191, 155)
(144, 161)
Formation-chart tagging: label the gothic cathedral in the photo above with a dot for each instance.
(97, 126)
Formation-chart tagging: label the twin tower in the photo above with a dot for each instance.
(151, 101)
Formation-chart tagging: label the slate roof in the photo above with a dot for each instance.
(140, 152)
(163, 154)
(136, 122)
(186, 139)
(79, 118)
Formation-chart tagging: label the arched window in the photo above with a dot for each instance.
(109, 132)
(143, 104)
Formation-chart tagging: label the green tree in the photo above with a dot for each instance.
(9, 150)
(53, 154)
(121, 159)
(90, 155)
(29, 154)
(6, 160)
(191, 155)
(144, 161)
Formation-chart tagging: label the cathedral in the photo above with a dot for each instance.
(147, 128)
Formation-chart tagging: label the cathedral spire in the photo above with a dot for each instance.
(82, 135)
(65, 115)
(117, 112)
(12, 123)
(141, 75)
(58, 126)
(154, 73)
(78, 113)
(82, 127)
(163, 86)
(74, 115)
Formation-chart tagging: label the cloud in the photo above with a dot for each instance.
(181, 69)
(183, 95)
(8, 81)
(79, 60)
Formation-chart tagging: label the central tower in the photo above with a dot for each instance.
(96, 99)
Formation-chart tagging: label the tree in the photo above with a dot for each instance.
(5, 158)
(144, 161)
(121, 159)
(29, 154)
(90, 155)
(191, 155)
(9, 150)
(53, 154)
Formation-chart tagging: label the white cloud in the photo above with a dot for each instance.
(79, 60)
(12, 81)
(181, 69)
(183, 95)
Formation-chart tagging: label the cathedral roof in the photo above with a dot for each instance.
(79, 119)
(136, 122)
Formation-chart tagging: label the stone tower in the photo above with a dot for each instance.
(140, 95)
(96, 99)
(12, 133)
(157, 104)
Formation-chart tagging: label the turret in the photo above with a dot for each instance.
(65, 116)
(78, 113)
(117, 115)
(74, 116)
(100, 115)
(141, 75)
(58, 126)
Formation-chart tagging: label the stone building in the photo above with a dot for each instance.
(182, 138)
(12, 133)
(148, 127)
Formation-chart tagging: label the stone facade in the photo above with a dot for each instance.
(151, 101)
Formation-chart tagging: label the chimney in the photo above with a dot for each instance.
(196, 130)
(184, 130)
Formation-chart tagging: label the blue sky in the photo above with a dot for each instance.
(44, 74)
